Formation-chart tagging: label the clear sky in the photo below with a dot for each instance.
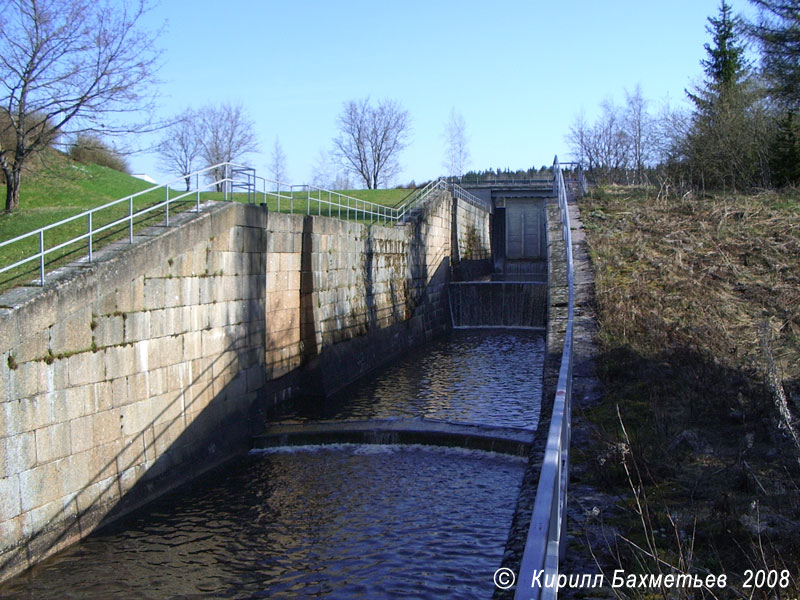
(518, 71)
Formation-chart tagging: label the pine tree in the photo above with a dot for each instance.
(786, 151)
(726, 145)
(778, 34)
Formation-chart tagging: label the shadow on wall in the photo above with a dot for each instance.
(196, 428)
(201, 410)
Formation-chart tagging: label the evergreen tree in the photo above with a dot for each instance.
(778, 34)
(786, 151)
(728, 143)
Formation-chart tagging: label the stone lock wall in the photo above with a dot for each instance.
(124, 371)
(122, 379)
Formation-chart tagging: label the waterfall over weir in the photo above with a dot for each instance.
(498, 304)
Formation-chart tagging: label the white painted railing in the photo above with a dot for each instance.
(226, 178)
(545, 543)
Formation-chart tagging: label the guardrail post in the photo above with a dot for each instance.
(166, 206)
(90, 236)
(41, 257)
(197, 185)
(130, 220)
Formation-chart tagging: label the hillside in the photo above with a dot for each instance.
(59, 188)
(698, 308)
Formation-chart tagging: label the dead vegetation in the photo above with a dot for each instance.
(698, 307)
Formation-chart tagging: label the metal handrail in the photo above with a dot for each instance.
(88, 215)
(420, 197)
(227, 177)
(461, 194)
(544, 180)
(545, 542)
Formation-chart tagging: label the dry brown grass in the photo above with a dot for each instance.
(683, 286)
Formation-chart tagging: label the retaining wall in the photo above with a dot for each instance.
(124, 378)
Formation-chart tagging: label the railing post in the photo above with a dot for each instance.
(130, 220)
(197, 185)
(41, 257)
(166, 206)
(90, 236)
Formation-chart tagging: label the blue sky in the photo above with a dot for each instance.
(518, 71)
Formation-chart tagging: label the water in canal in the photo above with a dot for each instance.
(345, 521)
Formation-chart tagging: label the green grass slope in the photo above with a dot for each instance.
(59, 188)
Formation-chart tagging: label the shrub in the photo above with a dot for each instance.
(89, 149)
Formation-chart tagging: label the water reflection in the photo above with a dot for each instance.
(487, 377)
(343, 521)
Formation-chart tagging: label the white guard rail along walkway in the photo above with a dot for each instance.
(229, 178)
(538, 573)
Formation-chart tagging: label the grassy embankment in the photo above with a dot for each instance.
(698, 307)
(60, 188)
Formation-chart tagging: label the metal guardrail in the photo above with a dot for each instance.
(230, 178)
(538, 576)
(544, 180)
(225, 180)
(461, 194)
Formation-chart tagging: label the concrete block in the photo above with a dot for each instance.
(137, 326)
(157, 382)
(192, 345)
(138, 387)
(101, 397)
(208, 288)
(42, 485)
(177, 376)
(72, 332)
(273, 261)
(198, 395)
(106, 427)
(118, 361)
(42, 517)
(32, 347)
(214, 342)
(109, 331)
(167, 434)
(81, 431)
(9, 499)
(172, 293)
(136, 417)
(168, 408)
(98, 494)
(141, 355)
(9, 330)
(129, 478)
(154, 293)
(165, 351)
(30, 379)
(17, 454)
(87, 367)
(132, 453)
(53, 443)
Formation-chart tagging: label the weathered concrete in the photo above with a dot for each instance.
(123, 378)
(123, 373)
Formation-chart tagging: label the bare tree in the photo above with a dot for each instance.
(370, 139)
(457, 153)
(605, 146)
(327, 172)
(578, 138)
(226, 135)
(68, 66)
(638, 127)
(180, 148)
(277, 165)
